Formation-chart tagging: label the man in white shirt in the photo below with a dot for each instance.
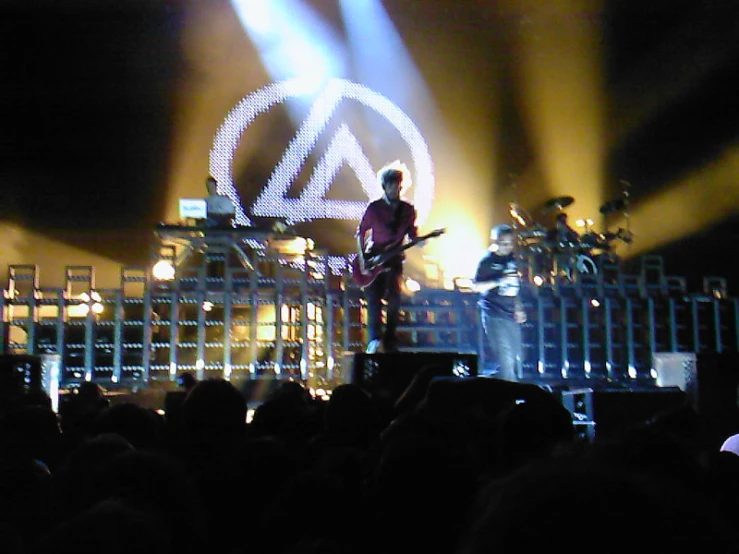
(220, 208)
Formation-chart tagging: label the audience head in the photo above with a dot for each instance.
(213, 410)
(731, 445)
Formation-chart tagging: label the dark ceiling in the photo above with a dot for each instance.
(88, 94)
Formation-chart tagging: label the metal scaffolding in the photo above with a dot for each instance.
(244, 307)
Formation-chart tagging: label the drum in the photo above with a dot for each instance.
(535, 262)
(592, 240)
(534, 232)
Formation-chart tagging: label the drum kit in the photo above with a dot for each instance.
(561, 252)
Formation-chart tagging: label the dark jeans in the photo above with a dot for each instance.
(504, 338)
(385, 286)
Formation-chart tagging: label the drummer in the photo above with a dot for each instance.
(564, 242)
(562, 234)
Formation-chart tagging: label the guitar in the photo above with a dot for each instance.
(376, 264)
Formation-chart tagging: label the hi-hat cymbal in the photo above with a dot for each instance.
(558, 203)
(613, 206)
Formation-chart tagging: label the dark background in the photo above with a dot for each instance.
(88, 101)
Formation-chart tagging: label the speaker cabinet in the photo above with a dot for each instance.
(715, 391)
(21, 377)
(21, 373)
(608, 412)
(386, 376)
(675, 369)
(710, 379)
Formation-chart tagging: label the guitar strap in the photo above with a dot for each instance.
(393, 225)
(395, 221)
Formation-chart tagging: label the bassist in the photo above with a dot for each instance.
(386, 222)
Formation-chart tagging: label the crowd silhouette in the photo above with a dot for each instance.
(455, 466)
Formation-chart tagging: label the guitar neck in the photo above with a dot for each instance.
(403, 247)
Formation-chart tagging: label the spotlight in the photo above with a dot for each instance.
(412, 285)
(538, 280)
(90, 302)
(163, 270)
(463, 283)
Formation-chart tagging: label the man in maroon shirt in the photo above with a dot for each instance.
(385, 224)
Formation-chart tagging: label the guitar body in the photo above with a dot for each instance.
(380, 260)
(363, 280)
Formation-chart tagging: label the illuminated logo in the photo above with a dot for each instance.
(343, 149)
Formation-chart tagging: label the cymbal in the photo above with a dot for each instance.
(613, 206)
(558, 203)
(622, 234)
(519, 214)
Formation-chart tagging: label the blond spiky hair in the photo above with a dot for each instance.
(397, 165)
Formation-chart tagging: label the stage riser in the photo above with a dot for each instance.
(150, 332)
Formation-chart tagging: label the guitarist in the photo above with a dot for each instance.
(385, 224)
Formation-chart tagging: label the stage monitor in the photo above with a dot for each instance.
(193, 208)
(386, 376)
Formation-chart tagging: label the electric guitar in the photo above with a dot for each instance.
(376, 264)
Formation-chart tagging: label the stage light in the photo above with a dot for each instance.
(595, 303)
(53, 369)
(411, 285)
(565, 370)
(632, 371)
(463, 283)
(538, 280)
(687, 207)
(88, 302)
(163, 270)
(587, 223)
(292, 40)
(291, 246)
(461, 369)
